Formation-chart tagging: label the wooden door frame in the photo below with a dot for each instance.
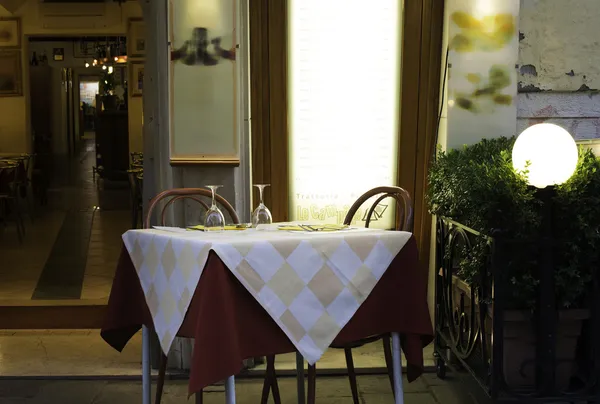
(419, 105)
(268, 102)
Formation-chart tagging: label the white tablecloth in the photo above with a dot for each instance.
(310, 283)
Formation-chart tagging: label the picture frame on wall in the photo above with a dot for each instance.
(10, 33)
(136, 79)
(11, 84)
(136, 38)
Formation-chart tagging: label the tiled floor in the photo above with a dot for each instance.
(22, 264)
(72, 245)
(330, 390)
(103, 252)
(84, 353)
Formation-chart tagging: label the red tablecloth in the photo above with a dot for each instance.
(229, 325)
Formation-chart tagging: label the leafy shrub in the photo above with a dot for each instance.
(478, 187)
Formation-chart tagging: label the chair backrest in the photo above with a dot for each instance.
(404, 207)
(9, 177)
(29, 165)
(132, 175)
(195, 194)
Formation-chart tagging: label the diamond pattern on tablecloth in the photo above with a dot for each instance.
(345, 261)
(307, 308)
(168, 305)
(326, 285)
(270, 298)
(136, 254)
(168, 260)
(251, 277)
(169, 270)
(229, 254)
(186, 297)
(343, 307)
(202, 257)
(292, 326)
(151, 260)
(152, 300)
(379, 259)
(265, 260)
(311, 284)
(306, 261)
(187, 260)
(322, 329)
(361, 246)
(286, 247)
(286, 284)
(364, 281)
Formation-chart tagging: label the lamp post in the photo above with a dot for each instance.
(547, 154)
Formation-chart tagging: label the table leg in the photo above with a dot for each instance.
(146, 380)
(230, 390)
(397, 363)
(300, 378)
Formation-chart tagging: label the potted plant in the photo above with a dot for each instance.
(107, 87)
(478, 187)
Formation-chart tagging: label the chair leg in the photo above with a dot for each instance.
(266, 386)
(199, 399)
(312, 384)
(160, 383)
(273, 377)
(270, 383)
(387, 351)
(14, 207)
(351, 375)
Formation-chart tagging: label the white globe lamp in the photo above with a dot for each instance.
(547, 152)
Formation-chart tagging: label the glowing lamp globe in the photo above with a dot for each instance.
(548, 152)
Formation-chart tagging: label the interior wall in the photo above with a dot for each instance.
(59, 131)
(15, 129)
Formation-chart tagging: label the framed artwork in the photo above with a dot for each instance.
(136, 38)
(10, 33)
(10, 74)
(204, 101)
(136, 79)
(58, 54)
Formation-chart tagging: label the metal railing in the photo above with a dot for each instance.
(503, 360)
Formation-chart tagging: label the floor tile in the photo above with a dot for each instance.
(248, 391)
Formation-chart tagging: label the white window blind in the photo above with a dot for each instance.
(344, 70)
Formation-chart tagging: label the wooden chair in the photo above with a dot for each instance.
(10, 172)
(169, 197)
(135, 190)
(403, 222)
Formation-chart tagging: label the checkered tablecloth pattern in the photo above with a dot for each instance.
(310, 283)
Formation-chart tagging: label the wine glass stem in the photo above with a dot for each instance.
(260, 193)
(214, 202)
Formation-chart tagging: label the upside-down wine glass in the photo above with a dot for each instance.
(262, 214)
(214, 221)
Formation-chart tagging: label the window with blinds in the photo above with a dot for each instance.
(344, 91)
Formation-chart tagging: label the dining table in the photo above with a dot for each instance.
(271, 290)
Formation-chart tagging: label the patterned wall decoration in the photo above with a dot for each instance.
(482, 75)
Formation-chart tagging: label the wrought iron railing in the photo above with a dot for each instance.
(472, 335)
